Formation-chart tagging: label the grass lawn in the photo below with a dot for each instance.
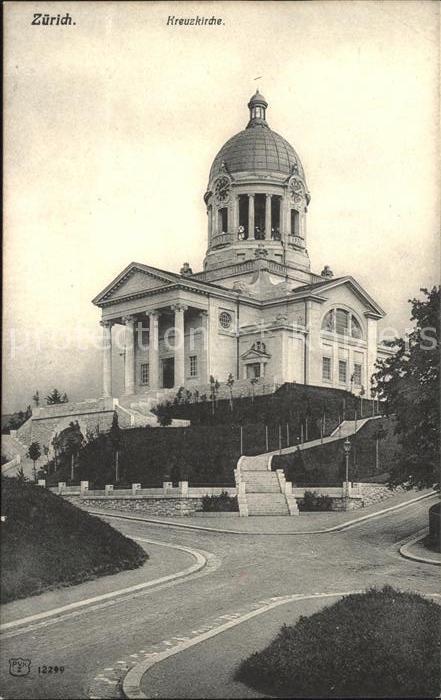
(47, 543)
(374, 644)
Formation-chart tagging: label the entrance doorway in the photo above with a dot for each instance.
(253, 370)
(168, 372)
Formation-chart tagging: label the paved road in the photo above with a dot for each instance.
(250, 569)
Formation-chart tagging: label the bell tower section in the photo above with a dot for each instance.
(257, 194)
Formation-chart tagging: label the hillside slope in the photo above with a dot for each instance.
(47, 542)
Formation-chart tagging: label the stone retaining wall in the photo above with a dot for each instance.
(152, 506)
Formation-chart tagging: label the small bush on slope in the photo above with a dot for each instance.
(48, 542)
(376, 644)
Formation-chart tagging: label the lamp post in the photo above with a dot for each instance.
(347, 450)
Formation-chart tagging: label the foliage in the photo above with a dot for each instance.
(324, 465)
(219, 504)
(163, 412)
(313, 501)
(115, 433)
(17, 419)
(409, 383)
(34, 451)
(374, 644)
(48, 542)
(55, 397)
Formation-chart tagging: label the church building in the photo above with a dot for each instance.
(256, 310)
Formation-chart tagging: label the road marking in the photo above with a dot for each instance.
(201, 561)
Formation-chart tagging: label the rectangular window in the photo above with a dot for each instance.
(342, 322)
(326, 368)
(342, 371)
(145, 373)
(295, 223)
(357, 374)
(193, 365)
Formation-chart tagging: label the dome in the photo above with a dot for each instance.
(257, 148)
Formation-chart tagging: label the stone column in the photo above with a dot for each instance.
(250, 216)
(235, 220)
(203, 357)
(153, 349)
(268, 217)
(107, 357)
(129, 364)
(179, 310)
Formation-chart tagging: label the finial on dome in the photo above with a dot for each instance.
(257, 106)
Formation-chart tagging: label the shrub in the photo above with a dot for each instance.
(314, 501)
(218, 504)
(374, 644)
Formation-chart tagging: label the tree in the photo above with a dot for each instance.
(71, 441)
(34, 453)
(230, 383)
(55, 397)
(115, 435)
(408, 382)
(17, 419)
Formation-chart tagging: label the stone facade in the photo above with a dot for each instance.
(256, 309)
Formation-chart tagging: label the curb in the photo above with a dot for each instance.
(206, 528)
(201, 562)
(131, 684)
(404, 551)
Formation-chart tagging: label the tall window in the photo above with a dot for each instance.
(326, 368)
(193, 366)
(295, 222)
(223, 220)
(342, 322)
(145, 373)
(357, 374)
(342, 371)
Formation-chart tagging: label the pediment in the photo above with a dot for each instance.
(252, 354)
(135, 280)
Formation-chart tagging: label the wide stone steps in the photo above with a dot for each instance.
(267, 504)
(261, 482)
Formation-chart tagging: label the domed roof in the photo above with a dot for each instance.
(257, 148)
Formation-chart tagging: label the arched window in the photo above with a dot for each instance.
(342, 322)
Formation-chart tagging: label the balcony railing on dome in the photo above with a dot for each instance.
(221, 239)
(296, 241)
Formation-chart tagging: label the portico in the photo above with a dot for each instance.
(162, 348)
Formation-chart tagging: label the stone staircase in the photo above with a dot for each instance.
(15, 451)
(261, 491)
(135, 410)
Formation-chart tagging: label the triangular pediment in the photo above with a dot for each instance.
(347, 282)
(134, 280)
(252, 354)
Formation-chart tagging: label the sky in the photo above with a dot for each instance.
(112, 123)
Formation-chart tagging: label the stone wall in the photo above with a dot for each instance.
(165, 507)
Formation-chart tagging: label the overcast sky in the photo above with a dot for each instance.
(112, 125)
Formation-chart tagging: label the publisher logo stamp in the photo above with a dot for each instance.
(19, 667)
